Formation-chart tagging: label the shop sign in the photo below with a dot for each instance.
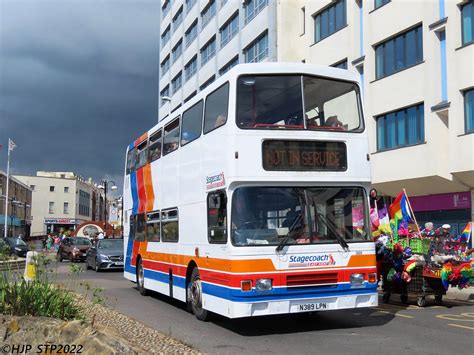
(59, 221)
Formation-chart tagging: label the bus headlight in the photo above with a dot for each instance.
(357, 279)
(264, 284)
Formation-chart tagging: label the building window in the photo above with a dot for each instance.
(341, 65)
(190, 4)
(165, 65)
(176, 83)
(178, 19)
(229, 30)
(177, 51)
(401, 128)
(66, 189)
(165, 92)
(66, 208)
(469, 109)
(330, 20)
(51, 189)
(165, 8)
(191, 34)
(208, 51)
(252, 9)
(207, 82)
(403, 51)
(51, 208)
(467, 20)
(258, 50)
(208, 13)
(190, 69)
(165, 37)
(229, 65)
(303, 20)
(84, 203)
(378, 3)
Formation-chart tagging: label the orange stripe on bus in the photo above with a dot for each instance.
(150, 195)
(242, 266)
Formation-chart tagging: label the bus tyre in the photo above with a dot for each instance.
(195, 296)
(141, 278)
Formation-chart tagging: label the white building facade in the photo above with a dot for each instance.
(60, 201)
(415, 60)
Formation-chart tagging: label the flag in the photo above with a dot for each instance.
(374, 219)
(467, 232)
(384, 221)
(11, 145)
(400, 212)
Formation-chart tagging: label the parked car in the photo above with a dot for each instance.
(15, 246)
(73, 248)
(106, 254)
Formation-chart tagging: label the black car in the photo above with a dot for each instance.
(15, 246)
(106, 254)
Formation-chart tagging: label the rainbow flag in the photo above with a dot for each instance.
(467, 232)
(400, 212)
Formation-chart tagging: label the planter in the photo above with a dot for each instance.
(12, 265)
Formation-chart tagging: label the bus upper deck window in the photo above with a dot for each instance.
(217, 104)
(141, 157)
(131, 161)
(171, 137)
(191, 123)
(154, 150)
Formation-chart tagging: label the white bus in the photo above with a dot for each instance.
(252, 198)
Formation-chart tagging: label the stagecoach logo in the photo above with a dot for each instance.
(214, 181)
(311, 260)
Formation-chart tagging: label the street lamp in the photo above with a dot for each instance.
(104, 185)
(168, 99)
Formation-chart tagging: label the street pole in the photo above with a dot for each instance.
(105, 206)
(6, 195)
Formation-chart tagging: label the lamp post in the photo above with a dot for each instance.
(168, 99)
(104, 185)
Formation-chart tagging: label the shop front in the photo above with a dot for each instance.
(450, 208)
(60, 225)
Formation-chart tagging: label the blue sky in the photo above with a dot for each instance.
(78, 82)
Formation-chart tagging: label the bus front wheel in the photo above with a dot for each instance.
(195, 296)
(141, 278)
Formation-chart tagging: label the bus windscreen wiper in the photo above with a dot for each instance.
(332, 227)
(283, 242)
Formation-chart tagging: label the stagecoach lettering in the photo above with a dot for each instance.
(304, 155)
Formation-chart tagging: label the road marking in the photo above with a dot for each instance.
(468, 314)
(453, 317)
(395, 314)
(460, 326)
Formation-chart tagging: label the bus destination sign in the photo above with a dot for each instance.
(304, 156)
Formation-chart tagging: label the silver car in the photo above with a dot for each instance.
(105, 254)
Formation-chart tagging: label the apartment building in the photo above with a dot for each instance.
(415, 60)
(61, 201)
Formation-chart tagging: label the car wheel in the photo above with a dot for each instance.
(194, 293)
(97, 266)
(141, 278)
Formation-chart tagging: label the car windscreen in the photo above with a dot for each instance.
(80, 241)
(298, 102)
(110, 244)
(16, 241)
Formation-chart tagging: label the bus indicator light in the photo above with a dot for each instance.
(246, 285)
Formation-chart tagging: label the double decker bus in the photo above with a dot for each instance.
(252, 198)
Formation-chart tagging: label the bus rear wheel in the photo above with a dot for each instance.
(141, 278)
(195, 296)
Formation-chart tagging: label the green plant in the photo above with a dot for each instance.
(97, 295)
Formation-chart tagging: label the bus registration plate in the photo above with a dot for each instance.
(311, 306)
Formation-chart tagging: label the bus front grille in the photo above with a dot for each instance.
(311, 280)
